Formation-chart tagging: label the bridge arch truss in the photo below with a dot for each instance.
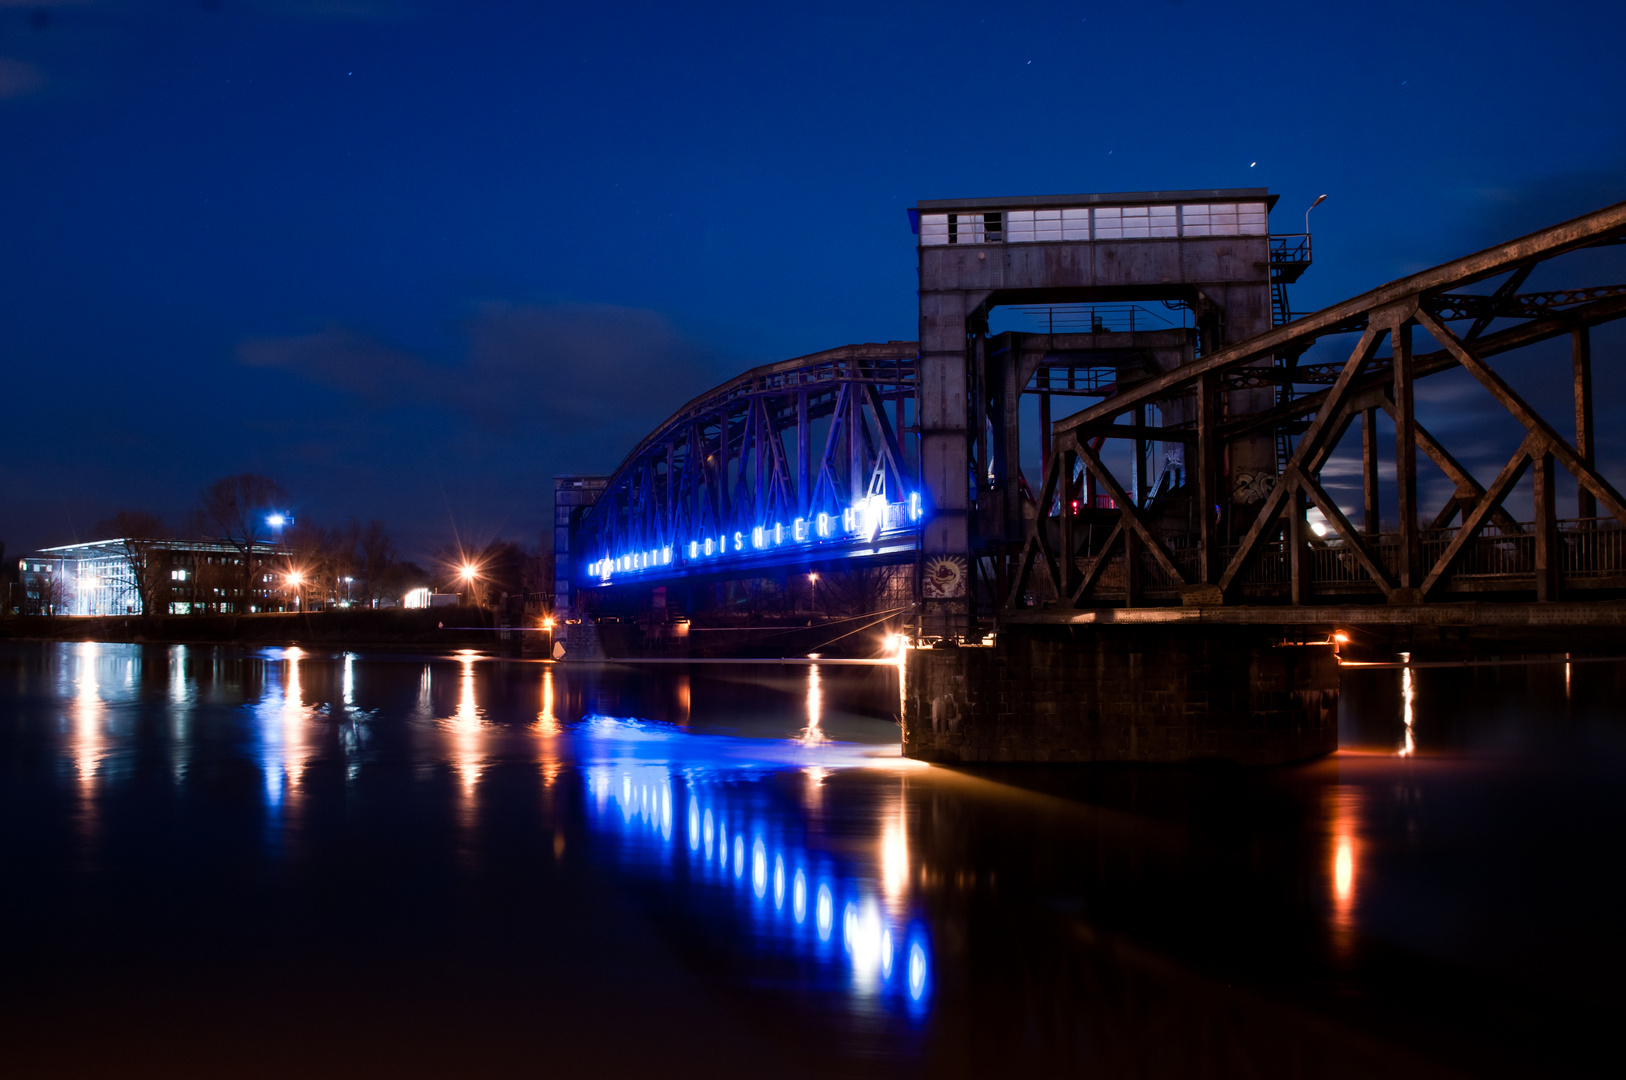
(804, 460)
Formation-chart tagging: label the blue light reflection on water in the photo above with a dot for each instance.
(708, 814)
(745, 849)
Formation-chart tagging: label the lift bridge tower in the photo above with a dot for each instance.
(1206, 253)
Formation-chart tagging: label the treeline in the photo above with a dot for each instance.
(279, 562)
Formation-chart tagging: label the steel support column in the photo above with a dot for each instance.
(1546, 528)
(1581, 365)
(1298, 545)
(1210, 560)
(1370, 513)
(1411, 558)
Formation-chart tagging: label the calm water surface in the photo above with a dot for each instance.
(263, 862)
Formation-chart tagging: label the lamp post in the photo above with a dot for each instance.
(1319, 200)
(469, 574)
(295, 580)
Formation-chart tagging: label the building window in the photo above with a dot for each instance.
(961, 228)
(1224, 219)
(1101, 223)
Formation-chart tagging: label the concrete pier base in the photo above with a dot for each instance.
(1166, 693)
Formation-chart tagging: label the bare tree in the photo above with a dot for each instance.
(400, 579)
(9, 577)
(536, 579)
(377, 556)
(137, 534)
(45, 593)
(195, 526)
(343, 561)
(238, 506)
(305, 548)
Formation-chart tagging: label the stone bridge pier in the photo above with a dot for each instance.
(1124, 693)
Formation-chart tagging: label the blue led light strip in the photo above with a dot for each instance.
(870, 518)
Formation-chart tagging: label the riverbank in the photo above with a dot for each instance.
(354, 626)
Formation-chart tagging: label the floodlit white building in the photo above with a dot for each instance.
(106, 577)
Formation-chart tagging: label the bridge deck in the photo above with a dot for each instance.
(1502, 615)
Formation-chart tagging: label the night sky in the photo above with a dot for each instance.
(413, 259)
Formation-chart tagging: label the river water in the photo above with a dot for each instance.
(262, 862)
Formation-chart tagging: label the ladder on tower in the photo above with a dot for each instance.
(1289, 258)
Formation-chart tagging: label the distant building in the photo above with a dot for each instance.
(428, 598)
(181, 577)
(572, 496)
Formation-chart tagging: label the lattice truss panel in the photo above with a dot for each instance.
(779, 463)
(1183, 547)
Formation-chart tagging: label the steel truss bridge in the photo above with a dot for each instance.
(1164, 549)
(788, 463)
(816, 458)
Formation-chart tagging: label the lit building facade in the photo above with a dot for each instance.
(181, 577)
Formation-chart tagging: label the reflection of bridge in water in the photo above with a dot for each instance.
(1190, 489)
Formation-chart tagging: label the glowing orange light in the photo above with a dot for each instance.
(1408, 696)
(296, 579)
(1343, 871)
(466, 728)
(468, 572)
(815, 707)
(895, 856)
(1345, 805)
(547, 624)
(1341, 638)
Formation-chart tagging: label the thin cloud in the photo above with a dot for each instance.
(343, 9)
(340, 359)
(19, 78)
(586, 380)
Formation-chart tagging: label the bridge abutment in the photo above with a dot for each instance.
(1150, 693)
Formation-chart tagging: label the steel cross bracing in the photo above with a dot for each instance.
(789, 462)
(1169, 549)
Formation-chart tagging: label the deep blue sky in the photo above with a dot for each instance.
(412, 259)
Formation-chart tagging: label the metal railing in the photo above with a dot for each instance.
(1587, 548)
(1591, 547)
(1291, 248)
(1590, 552)
(1087, 318)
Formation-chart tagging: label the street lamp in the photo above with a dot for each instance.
(295, 581)
(1319, 200)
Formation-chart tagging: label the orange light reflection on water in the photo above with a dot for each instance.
(1408, 695)
(812, 734)
(548, 728)
(895, 851)
(89, 715)
(1345, 804)
(465, 726)
(295, 752)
